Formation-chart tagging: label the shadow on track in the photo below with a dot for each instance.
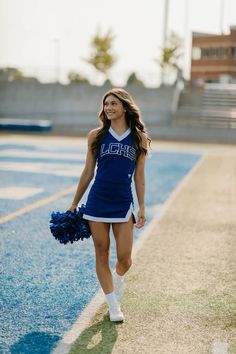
(96, 339)
(35, 343)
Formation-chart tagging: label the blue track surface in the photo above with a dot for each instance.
(45, 285)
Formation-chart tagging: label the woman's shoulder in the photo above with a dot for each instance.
(93, 134)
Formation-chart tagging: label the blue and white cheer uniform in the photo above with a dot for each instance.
(110, 197)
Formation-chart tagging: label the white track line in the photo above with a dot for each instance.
(86, 316)
(42, 154)
(56, 169)
(44, 141)
(18, 193)
(80, 325)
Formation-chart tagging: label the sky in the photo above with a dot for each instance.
(48, 38)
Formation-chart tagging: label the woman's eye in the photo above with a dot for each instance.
(110, 104)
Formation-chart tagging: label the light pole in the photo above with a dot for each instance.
(57, 53)
(222, 8)
(186, 61)
(164, 37)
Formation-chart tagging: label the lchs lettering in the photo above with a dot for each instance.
(118, 149)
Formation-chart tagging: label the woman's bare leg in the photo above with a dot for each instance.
(101, 239)
(123, 233)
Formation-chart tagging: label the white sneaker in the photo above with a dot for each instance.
(116, 315)
(118, 284)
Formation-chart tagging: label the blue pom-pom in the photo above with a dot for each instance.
(69, 226)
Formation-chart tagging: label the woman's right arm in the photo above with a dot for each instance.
(88, 172)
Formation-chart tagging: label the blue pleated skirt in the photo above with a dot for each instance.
(109, 202)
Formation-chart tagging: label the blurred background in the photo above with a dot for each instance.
(176, 57)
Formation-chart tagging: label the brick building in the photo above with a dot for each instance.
(213, 57)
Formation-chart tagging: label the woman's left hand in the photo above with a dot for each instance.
(141, 218)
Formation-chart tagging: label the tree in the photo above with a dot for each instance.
(101, 56)
(10, 74)
(171, 55)
(133, 80)
(75, 77)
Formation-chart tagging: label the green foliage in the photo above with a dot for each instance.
(75, 77)
(101, 56)
(171, 54)
(10, 74)
(133, 80)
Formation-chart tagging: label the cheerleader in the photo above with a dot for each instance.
(117, 149)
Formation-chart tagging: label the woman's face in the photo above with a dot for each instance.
(113, 108)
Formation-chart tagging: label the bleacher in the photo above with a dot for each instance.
(214, 107)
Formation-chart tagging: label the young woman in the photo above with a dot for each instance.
(119, 148)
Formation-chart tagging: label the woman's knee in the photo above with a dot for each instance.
(125, 263)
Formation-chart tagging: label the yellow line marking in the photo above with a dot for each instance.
(37, 204)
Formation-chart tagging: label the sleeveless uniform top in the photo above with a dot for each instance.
(110, 198)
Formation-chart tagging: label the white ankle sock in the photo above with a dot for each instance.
(111, 300)
(119, 278)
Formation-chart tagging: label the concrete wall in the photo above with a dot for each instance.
(75, 107)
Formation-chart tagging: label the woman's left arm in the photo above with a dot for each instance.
(139, 180)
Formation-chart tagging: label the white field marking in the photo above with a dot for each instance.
(80, 325)
(86, 316)
(47, 168)
(38, 204)
(194, 147)
(44, 141)
(220, 348)
(53, 142)
(42, 154)
(19, 193)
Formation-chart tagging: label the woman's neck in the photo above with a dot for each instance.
(119, 125)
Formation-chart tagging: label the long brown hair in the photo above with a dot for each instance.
(133, 120)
